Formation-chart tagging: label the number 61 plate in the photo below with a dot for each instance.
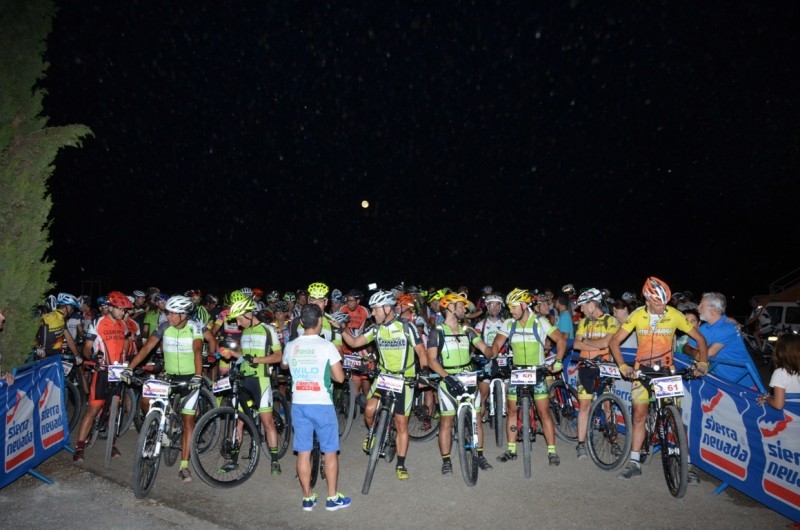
(665, 387)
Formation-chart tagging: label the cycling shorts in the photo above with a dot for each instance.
(402, 399)
(261, 391)
(448, 404)
(588, 381)
(188, 397)
(539, 391)
(639, 393)
(100, 388)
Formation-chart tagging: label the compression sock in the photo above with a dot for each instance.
(480, 451)
(512, 448)
(401, 461)
(551, 449)
(446, 458)
(184, 464)
(273, 453)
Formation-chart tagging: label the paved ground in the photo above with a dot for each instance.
(574, 495)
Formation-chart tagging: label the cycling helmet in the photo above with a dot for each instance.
(281, 306)
(211, 299)
(180, 304)
(85, 299)
(628, 296)
(355, 293)
(412, 289)
(248, 292)
(337, 296)
(274, 296)
(119, 300)
(590, 295)
(289, 297)
(237, 296)
(487, 290)
(605, 292)
(318, 290)
(398, 290)
(341, 317)
(382, 298)
(131, 299)
(569, 289)
(656, 290)
(162, 297)
(405, 300)
(101, 301)
(67, 299)
(257, 292)
(193, 293)
(240, 308)
(452, 298)
(50, 303)
(139, 294)
(518, 296)
(301, 292)
(439, 294)
(494, 298)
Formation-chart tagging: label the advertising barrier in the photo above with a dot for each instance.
(35, 425)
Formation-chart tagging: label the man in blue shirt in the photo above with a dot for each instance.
(724, 342)
(564, 322)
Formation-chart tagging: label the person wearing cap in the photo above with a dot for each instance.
(591, 339)
(655, 325)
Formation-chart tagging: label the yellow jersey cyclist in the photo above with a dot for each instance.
(260, 346)
(397, 341)
(449, 355)
(53, 336)
(526, 334)
(594, 333)
(318, 295)
(655, 324)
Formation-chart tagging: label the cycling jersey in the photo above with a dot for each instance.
(656, 334)
(327, 332)
(134, 334)
(357, 323)
(151, 320)
(489, 328)
(395, 341)
(72, 324)
(596, 329)
(259, 341)
(51, 333)
(453, 347)
(527, 341)
(178, 346)
(108, 340)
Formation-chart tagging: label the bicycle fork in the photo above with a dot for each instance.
(466, 402)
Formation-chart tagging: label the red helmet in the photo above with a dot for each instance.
(118, 299)
(405, 300)
(656, 290)
(257, 292)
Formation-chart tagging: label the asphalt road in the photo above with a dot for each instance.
(574, 495)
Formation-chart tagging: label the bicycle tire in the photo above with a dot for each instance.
(282, 417)
(344, 402)
(498, 420)
(675, 452)
(73, 403)
(175, 435)
(416, 433)
(608, 445)
(145, 463)
(129, 405)
(112, 427)
(219, 466)
(390, 449)
(467, 455)
(374, 454)
(315, 461)
(526, 435)
(564, 406)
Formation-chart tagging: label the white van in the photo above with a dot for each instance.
(785, 316)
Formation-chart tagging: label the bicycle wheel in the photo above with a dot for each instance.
(377, 437)
(138, 413)
(344, 401)
(174, 432)
(233, 458)
(129, 405)
(73, 403)
(390, 449)
(315, 461)
(422, 426)
(526, 434)
(499, 422)
(564, 408)
(608, 434)
(146, 461)
(282, 416)
(112, 429)
(675, 452)
(467, 454)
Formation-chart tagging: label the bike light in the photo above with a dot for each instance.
(772, 338)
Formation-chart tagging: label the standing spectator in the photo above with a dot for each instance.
(565, 318)
(786, 377)
(314, 362)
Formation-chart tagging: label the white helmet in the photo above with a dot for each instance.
(179, 304)
(382, 298)
(248, 292)
(340, 316)
(139, 294)
(590, 295)
(494, 298)
(67, 299)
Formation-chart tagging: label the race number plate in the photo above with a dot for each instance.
(609, 370)
(390, 382)
(665, 387)
(523, 377)
(113, 372)
(222, 385)
(468, 378)
(67, 367)
(155, 389)
(352, 361)
(502, 361)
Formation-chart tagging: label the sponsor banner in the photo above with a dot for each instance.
(35, 426)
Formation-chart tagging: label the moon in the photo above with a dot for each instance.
(365, 204)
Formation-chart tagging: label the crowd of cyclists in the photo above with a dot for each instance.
(433, 334)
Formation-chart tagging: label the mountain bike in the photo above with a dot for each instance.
(114, 418)
(525, 379)
(465, 428)
(73, 390)
(608, 434)
(423, 422)
(564, 407)
(496, 399)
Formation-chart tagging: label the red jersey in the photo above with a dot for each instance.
(108, 339)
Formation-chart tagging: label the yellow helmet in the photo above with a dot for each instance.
(452, 298)
(439, 294)
(240, 308)
(518, 296)
(318, 290)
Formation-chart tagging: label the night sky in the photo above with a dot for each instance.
(513, 145)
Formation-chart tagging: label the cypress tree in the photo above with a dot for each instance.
(28, 147)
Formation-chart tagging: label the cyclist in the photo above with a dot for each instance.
(230, 329)
(156, 315)
(258, 295)
(397, 341)
(358, 316)
(291, 299)
(53, 333)
(448, 355)
(211, 304)
(182, 343)
(200, 313)
(488, 329)
(337, 300)
(317, 295)
(107, 342)
(301, 299)
(526, 334)
(655, 324)
(259, 345)
(591, 340)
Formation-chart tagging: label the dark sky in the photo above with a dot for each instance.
(528, 145)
